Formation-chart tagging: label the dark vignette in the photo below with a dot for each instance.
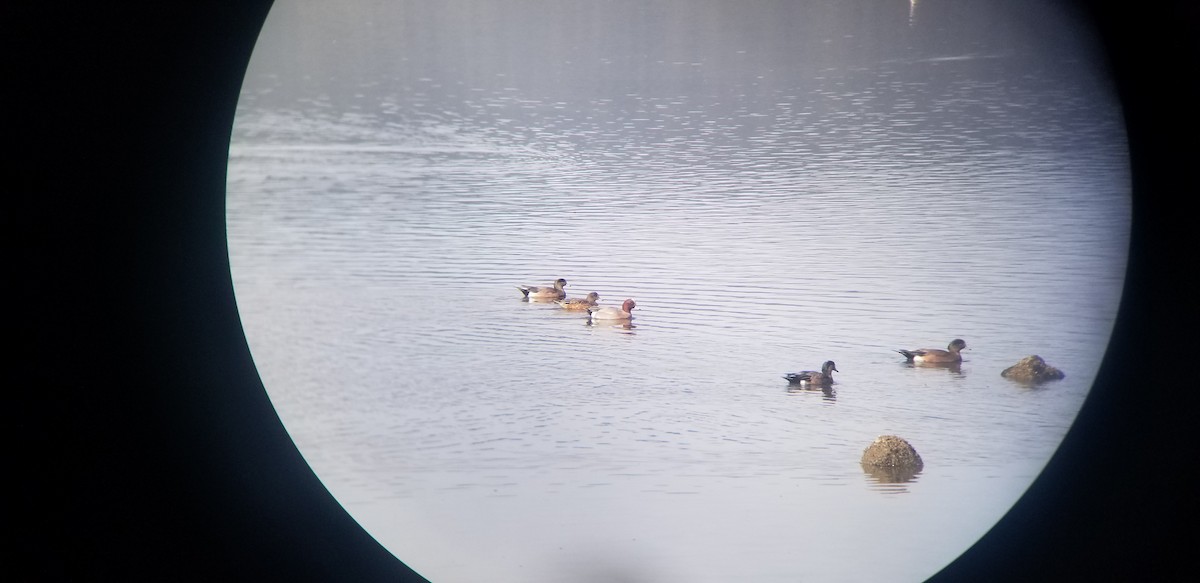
(146, 447)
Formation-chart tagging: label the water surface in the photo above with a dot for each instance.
(775, 184)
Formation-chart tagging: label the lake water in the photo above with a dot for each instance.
(775, 183)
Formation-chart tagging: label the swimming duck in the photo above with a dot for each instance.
(625, 312)
(812, 377)
(545, 292)
(580, 303)
(936, 355)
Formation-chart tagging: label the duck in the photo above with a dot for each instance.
(545, 292)
(580, 303)
(625, 312)
(812, 377)
(936, 355)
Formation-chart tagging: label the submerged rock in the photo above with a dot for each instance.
(889, 451)
(1032, 369)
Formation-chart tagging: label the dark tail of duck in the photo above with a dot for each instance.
(907, 354)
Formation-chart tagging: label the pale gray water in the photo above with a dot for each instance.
(776, 184)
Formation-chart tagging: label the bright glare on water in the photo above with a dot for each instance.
(776, 184)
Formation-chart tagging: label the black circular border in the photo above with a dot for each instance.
(146, 447)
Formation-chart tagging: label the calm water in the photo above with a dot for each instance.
(775, 184)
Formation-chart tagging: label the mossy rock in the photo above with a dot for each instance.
(890, 451)
(1032, 369)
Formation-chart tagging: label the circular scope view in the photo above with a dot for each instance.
(846, 228)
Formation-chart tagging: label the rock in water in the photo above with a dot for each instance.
(889, 451)
(1032, 369)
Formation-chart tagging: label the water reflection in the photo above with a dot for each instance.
(890, 476)
(828, 394)
(611, 325)
(952, 367)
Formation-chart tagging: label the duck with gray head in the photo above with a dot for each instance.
(823, 378)
(580, 303)
(936, 355)
(553, 291)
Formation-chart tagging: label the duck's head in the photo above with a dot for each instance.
(828, 366)
(561, 283)
(593, 296)
(629, 305)
(956, 345)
